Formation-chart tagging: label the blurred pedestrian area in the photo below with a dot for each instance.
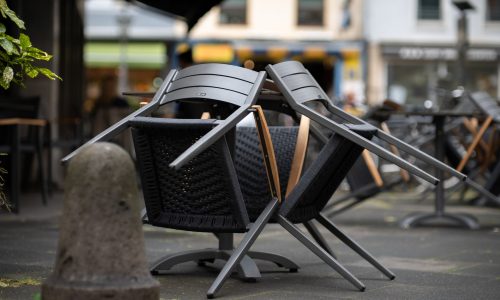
(429, 262)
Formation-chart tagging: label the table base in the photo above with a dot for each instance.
(416, 219)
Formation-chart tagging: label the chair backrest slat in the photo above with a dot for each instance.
(211, 93)
(219, 69)
(215, 81)
(289, 68)
(307, 94)
(298, 81)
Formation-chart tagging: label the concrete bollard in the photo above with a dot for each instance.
(101, 245)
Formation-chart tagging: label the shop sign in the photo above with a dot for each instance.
(441, 53)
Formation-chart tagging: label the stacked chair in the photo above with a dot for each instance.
(209, 175)
(364, 179)
(489, 146)
(22, 131)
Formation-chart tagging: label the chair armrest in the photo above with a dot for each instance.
(372, 168)
(267, 152)
(124, 123)
(299, 154)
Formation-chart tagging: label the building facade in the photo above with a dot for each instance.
(326, 35)
(412, 49)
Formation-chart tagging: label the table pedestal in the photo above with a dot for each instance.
(439, 214)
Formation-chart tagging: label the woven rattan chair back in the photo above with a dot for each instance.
(250, 166)
(322, 178)
(204, 194)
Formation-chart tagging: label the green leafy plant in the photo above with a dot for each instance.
(17, 60)
(17, 55)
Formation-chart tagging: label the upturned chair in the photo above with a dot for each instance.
(300, 90)
(186, 167)
(303, 203)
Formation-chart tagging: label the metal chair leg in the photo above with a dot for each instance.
(320, 253)
(354, 246)
(318, 237)
(243, 247)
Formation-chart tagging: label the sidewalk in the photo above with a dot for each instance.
(429, 262)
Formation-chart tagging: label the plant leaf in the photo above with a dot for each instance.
(49, 74)
(31, 72)
(25, 41)
(7, 45)
(38, 54)
(7, 12)
(7, 75)
(2, 28)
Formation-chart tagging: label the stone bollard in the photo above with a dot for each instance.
(101, 245)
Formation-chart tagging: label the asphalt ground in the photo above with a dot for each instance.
(432, 262)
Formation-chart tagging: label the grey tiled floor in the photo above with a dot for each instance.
(430, 262)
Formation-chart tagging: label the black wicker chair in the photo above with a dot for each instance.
(203, 195)
(304, 202)
(230, 93)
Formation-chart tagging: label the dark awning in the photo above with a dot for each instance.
(191, 11)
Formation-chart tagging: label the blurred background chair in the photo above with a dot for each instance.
(22, 136)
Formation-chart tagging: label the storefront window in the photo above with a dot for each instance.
(412, 83)
(408, 83)
(482, 77)
(429, 9)
(310, 12)
(233, 12)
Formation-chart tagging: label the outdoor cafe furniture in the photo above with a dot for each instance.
(441, 143)
(300, 88)
(305, 201)
(16, 115)
(439, 214)
(491, 109)
(365, 180)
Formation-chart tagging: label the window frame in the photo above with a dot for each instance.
(323, 20)
(422, 18)
(488, 11)
(245, 22)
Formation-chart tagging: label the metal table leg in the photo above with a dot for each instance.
(439, 213)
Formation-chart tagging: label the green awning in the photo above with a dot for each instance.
(138, 55)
